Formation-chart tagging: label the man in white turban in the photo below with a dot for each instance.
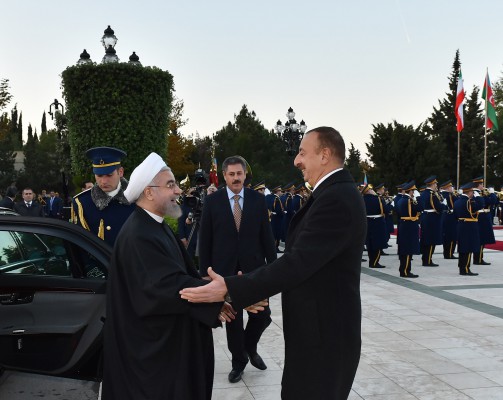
(157, 346)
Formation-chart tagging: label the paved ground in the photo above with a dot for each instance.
(439, 336)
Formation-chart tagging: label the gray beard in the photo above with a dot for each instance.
(174, 212)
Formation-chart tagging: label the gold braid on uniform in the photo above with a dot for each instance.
(82, 220)
(101, 230)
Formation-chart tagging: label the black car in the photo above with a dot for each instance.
(52, 297)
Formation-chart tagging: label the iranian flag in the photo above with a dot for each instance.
(460, 99)
(487, 95)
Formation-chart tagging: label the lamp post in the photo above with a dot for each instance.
(85, 58)
(109, 40)
(56, 105)
(292, 132)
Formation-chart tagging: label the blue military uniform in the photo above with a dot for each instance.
(485, 200)
(95, 210)
(431, 221)
(276, 214)
(449, 221)
(465, 210)
(298, 199)
(286, 200)
(388, 213)
(408, 230)
(377, 238)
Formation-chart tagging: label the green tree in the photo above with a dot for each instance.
(262, 149)
(352, 163)
(441, 127)
(7, 155)
(179, 155)
(44, 123)
(117, 104)
(176, 120)
(399, 153)
(5, 96)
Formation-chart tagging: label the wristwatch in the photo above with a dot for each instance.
(227, 298)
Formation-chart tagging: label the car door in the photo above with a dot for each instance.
(52, 294)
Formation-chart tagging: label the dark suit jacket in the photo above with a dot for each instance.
(36, 210)
(57, 207)
(7, 202)
(319, 275)
(225, 249)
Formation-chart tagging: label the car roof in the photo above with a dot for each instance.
(7, 211)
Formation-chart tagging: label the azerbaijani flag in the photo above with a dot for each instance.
(460, 98)
(487, 95)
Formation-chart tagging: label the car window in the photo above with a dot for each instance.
(41, 254)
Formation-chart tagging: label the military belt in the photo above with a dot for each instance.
(468, 219)
(375, 216)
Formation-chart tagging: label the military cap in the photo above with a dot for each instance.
(381, 185)
(289, 186)
(445, 184)
(431, 180)
(410, 186)
(259, 186)
(422, 188)
(467, 186)
(401, 185)
(276, 188)
(300, 187)
(105, 159)
(478, 179)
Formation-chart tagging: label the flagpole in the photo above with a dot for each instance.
(459, 159)
(485, 126)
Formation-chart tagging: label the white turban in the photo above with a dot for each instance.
(143, 175)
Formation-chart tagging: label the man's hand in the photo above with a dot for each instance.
(185, 242)
(211, 293)
(227, 313)
(257, 307)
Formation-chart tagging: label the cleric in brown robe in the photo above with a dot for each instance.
(156, 345)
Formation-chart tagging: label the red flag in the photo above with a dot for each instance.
(487, 95)
(460, 97)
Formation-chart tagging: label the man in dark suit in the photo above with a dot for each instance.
(235, 235)
(8, 200)
(54, 205)
(318, 275)
(28, 207)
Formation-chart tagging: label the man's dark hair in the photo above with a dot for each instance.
(233, 160)
(332, 139)
(28, 188)
(11, 191)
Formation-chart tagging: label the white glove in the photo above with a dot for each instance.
(444, 202)
(491, 190)
(460, 191)
(476, 193)
(416, 193)
(393, 203)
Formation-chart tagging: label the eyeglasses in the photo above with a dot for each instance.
(169, 185)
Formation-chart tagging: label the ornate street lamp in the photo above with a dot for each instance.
(56, 105)
(134, 59)
(292, 132)
(109, 39)
(85, 58)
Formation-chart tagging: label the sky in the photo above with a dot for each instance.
(347, 64)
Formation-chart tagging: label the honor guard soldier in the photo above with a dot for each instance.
(400, 195)
(260, 188)
(449, 220)
(387, 200)
(286, 199)
(486, 233)
(298, 198)
(409, 210)
(431, 229)
(500, 210)
(276, 214)
(103, 209)
(376, 226)
(468, 232)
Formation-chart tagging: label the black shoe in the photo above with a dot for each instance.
(469, 273)
(481, 263)
(278, 250)
(430, 265)
(409, 276)
(235, 375)
(378, 266)
(384, 254)
(364, 260)
(257, 361)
